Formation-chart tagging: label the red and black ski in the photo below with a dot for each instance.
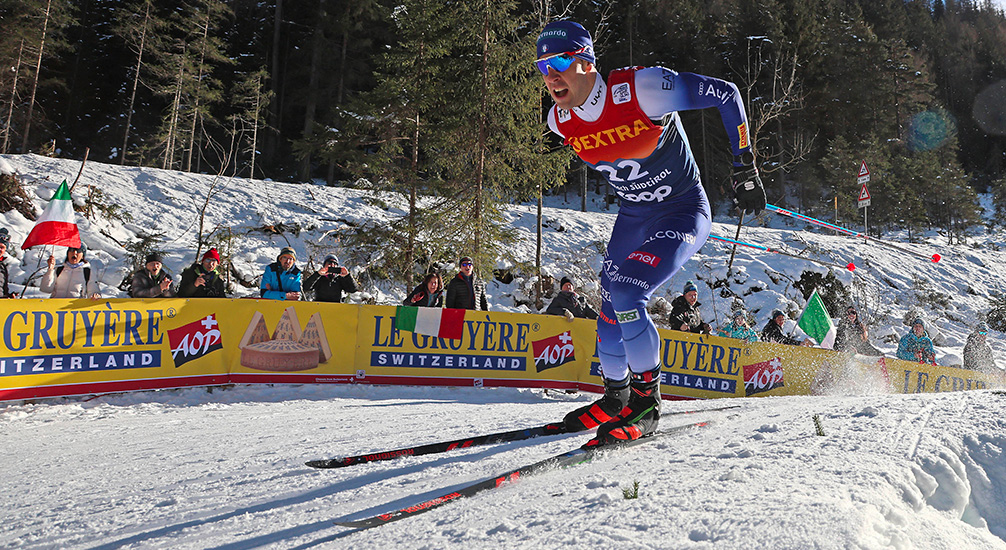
(556, 428)
(582, 454)
(442, 447)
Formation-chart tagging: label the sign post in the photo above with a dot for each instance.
(864, 196)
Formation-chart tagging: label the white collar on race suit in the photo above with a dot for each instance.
(592, 108)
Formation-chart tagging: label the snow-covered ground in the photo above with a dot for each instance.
(191, 469)
(224, 469)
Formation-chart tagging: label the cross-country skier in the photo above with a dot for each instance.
(628, 129)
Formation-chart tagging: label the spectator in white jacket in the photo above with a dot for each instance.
(73, 279)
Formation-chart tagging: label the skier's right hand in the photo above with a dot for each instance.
(749, 194)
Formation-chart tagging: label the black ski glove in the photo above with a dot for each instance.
(749, 194)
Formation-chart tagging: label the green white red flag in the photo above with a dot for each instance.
(57, 225)
(816, 322)
(431, 321)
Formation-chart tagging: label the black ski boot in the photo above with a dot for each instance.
(640, 416)
(616, 395)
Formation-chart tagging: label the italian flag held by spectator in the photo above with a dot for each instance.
(816, 322)
(431, 321)
(57, 225)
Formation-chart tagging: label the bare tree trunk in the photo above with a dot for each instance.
(34, 86)
(480, 170)
(410, 251)
(342, 59)
(13, 98)
(311, 108)
(274, 123)
(196, 92)
(258, 107)
(169, 149)
(136, 83)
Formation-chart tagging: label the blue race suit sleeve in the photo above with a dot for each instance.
(662, 91)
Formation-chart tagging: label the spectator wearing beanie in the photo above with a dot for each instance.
(152, 281)
(570, 304)
(685, 315)
(329, 282)
(202, 279)
(916, 345)
(282, 278)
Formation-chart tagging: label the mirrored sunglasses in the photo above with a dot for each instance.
(559, 62)
(982, 332)
(465, 264)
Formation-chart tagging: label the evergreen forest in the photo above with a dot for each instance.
(441, 99)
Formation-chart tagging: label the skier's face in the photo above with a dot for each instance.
(691, 297)
(571, 87)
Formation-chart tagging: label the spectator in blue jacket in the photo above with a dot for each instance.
(282, 279)
(916, 345)
(738, 328)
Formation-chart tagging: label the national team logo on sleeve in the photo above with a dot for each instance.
(742, 133)
(621, 93)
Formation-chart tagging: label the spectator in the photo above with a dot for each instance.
(429, 293)
(330, 281)
(152, 281)
(977, 352)
(4, 276)
(852, 336)
(685, 315)
(570, 304)
(466, 290)
(282, 279)
(72, 279)
(916, 345)
(738, 328)
(773, 332)
(201, 279)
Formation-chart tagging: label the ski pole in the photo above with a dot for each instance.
(934, 258)
(850, 266)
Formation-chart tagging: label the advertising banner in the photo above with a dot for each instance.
(76, 347)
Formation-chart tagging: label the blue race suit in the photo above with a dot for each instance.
(664, 218)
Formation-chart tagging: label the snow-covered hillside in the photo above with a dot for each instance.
(886, 286)
(196, 468)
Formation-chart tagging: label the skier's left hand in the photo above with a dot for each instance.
(749, 194)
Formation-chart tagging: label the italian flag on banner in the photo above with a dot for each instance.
(816, 322)
(431, 321)
(57, 225)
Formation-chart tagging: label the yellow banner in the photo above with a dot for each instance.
(74, 347)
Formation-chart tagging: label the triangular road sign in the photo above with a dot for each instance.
(863, 170)
(864, 193)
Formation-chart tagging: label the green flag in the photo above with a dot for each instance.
(816, 322)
